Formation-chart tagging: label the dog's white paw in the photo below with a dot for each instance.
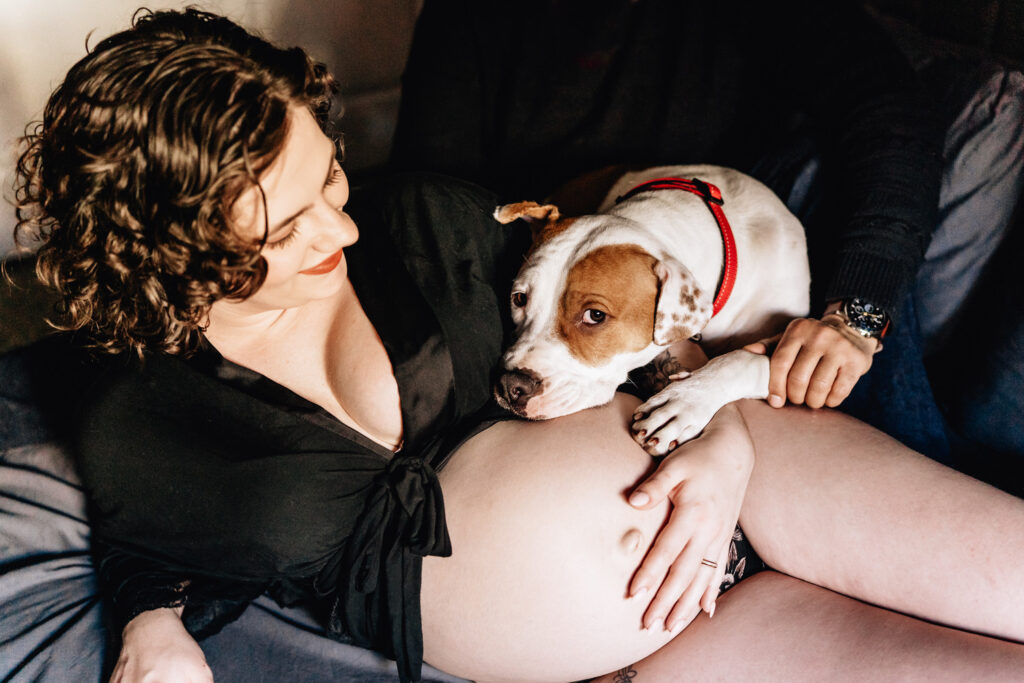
(674, 415)
(681, 410)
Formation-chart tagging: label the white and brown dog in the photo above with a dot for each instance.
(602, 294)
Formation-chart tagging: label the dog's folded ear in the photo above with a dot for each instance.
(545, 220)
(683, 307)
(531, 212)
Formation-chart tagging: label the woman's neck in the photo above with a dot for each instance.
(235, 331)
(326, 351)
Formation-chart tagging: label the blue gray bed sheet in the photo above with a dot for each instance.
(53, 622)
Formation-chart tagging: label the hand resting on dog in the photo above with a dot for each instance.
(816, 362)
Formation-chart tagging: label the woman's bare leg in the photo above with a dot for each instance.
(545, 546)
(774, 627)
(841, 505)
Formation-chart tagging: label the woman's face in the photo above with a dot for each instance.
(305, 191)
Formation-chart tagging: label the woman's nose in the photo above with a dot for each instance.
(337, 230)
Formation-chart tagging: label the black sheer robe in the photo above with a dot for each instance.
(211, 484)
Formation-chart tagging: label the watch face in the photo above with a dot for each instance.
(869, 319)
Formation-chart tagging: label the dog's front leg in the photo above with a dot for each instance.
(681, 410)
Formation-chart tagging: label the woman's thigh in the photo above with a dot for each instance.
(545, 543)
(777, 628)
(544, 546)
(841, 505)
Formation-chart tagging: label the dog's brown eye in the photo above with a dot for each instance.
(518, 299)
(593, 316)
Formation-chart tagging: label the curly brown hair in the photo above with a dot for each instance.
(129, 179)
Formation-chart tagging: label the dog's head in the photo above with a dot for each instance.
(596, 298)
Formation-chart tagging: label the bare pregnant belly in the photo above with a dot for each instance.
(544, 546)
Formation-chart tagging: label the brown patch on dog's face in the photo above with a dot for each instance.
(608, 304)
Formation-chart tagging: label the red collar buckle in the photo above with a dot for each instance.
(712, 197)
(707, 191)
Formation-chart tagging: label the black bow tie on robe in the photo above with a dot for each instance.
(377, 581)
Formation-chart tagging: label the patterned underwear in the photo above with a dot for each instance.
(743, 561)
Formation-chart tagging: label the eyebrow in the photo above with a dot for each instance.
(277, 227)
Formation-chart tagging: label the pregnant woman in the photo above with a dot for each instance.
(274, 406)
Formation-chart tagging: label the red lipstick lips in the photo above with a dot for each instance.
(325, 266)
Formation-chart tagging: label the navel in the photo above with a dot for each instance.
(632, 541)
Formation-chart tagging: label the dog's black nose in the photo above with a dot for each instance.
(516, 387)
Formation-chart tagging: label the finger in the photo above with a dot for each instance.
(760, 348)
(781, 362)
(675, 557)
(763, 346)
(672, 539)
(708, 600)
(800, 374)
(653, 490)
(845, 381)
(712, 567)
(686, 607)
(822, 380)
(681, 574)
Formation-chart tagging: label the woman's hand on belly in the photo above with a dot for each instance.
(705, 479)
(544, 546)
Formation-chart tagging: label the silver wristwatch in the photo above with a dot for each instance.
(864, 317)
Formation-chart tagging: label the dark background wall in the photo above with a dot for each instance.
(359, 32)
(996, 26)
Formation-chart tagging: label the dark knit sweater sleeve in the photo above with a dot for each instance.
(882, 134)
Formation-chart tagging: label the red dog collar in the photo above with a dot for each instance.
(712, 197)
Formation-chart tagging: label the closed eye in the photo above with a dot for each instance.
(292, 234)
(335, 176)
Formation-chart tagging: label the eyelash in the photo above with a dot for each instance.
(332, 180)
(334, 177)
(284, 240)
